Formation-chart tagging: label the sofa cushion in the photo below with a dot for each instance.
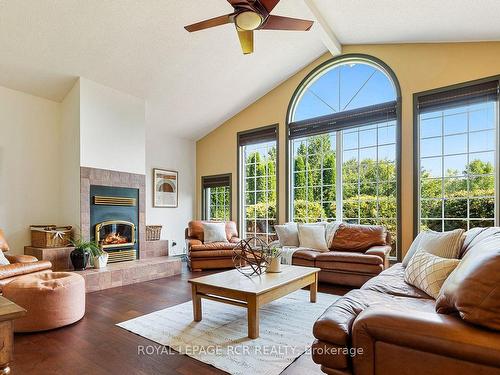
(335, 325)
(214, 246)
(4, 246)
(358, 238)
(306, 253)
(370, 269)
(391, 281)
(473, 288)
(349, 257)
(212, 254)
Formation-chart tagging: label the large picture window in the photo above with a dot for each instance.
(216, 197)
(258, 182)
(457, 133)
(343, 126)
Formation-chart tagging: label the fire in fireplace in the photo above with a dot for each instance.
(115, 233)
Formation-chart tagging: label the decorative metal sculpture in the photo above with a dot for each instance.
(251, 260)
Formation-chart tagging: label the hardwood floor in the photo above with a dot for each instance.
(96, 346)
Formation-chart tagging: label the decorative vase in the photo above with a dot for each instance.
(101, 261)
(79, 259)
(274, 265)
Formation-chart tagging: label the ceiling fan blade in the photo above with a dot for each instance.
(236, 3)
(246, 41)
(217, 21)
(269, 4)
(286, 23)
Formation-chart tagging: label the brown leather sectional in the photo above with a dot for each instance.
(19, 264)
(203, 256)
(392, 327)
(357, 253)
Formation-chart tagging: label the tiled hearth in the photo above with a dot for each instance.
(125, 273)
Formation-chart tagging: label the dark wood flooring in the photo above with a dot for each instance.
(96, 346)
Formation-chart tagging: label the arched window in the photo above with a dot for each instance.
(343, 131)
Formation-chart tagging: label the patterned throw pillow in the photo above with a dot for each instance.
(428, 272)
(214, 232)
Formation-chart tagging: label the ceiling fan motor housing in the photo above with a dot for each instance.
(248, 20)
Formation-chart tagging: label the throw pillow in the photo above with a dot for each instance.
(214, 232)
(4, 246)
(443, 244)
(288, 234)
(3, 260)
(312, 237)
(428, 272)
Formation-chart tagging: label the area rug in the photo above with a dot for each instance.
(220, 339)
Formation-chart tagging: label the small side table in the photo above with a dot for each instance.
(8, 312)
(59, 256)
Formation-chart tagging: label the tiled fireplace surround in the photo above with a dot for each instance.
(103, 177)
(153, 262)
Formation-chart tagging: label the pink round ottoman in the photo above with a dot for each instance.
(52, 300)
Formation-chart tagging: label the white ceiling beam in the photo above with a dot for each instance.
(326, 33)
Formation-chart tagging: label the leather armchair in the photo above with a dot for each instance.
(19, 264)
(210, 255)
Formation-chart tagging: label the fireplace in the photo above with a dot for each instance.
(114, 234)
(114, 218)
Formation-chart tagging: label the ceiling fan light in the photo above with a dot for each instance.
(248, 20)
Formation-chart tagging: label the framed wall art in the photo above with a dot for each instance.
(166, 188)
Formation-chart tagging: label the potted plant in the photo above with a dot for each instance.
(273, 260)
(85, 250)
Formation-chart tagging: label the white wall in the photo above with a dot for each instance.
(112, 129)
(30, 164)
(168, 152)
(70, 159)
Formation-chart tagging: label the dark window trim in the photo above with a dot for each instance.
(229, 176)
(399, 111)
(416, 138)
(239, 135)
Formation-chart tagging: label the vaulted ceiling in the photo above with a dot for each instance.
(194, 82)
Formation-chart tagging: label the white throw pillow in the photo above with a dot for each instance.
(312, 237)
(288, 234)
(3, 260)
(443, 244)
(214, 232)
(428, 272)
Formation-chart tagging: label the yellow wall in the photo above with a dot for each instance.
(418, 67)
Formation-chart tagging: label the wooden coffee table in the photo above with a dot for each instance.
(233, 288)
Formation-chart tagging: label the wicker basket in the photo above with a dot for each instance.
(50, 236)
(153, 232)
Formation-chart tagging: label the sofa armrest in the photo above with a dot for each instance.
(21, 258)
(191, 242)
(382, 252)
(235, 239)
(439, 334)
(18, 269)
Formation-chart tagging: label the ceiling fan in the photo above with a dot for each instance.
(251, 15)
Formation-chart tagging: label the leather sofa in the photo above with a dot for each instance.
(390, 327)
(357, 253)
(214, 255)
(19, 264)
